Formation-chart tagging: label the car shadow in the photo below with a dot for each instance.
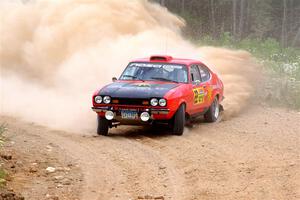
(139, 132)
(158, 131)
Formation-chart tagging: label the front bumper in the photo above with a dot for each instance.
(155, 113)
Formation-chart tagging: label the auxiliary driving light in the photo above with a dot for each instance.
(109, 115)
(145, 116)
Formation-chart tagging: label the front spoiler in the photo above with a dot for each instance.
(156, 114)
(155, 111)
(100, 109)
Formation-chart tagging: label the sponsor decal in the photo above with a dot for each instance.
(142, 85)
(168, 67)
(209, 93)
(199, 94)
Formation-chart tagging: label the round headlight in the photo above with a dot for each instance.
(162, 102)
(154, 102)
(106, 99)
(98, 99)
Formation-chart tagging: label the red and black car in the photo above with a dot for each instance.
(159, 90)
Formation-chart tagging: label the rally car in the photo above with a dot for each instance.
(159, 90)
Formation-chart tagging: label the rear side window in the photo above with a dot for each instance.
(195, 74)
(204, 73)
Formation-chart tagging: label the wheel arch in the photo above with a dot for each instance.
(187, 115)
(218, 95)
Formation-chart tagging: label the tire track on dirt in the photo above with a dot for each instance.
(104, 177)
(139, 167)
(117, 170)
(95, 165)
(253, 156)
(188, 156)
(171, 180)
(126, 171)
(145, 171)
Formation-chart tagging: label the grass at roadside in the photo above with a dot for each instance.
(2, 177)
(2, 172)
(2, 130)
(282, 65)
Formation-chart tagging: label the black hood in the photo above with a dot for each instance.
(143, 90)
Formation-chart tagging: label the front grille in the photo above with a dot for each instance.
(127, 101)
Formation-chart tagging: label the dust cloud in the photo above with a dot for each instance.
(240, 73)
(54, 54)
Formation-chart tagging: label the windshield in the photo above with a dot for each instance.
(155, 71)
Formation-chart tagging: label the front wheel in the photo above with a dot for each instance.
(213, 113)
(179, 121)
(103, 126)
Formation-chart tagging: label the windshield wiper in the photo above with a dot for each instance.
(134, 77)
(164, 79)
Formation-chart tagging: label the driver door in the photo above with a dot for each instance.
(199, 90)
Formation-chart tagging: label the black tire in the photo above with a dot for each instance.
(213, 113)
(103, 126)
(179, 121)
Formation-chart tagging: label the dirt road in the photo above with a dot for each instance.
(253, 156)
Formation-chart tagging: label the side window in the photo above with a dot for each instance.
(195, 74)
(204, 73)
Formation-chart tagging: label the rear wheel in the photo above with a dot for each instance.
(179, 121)
(103, 126)
(213, 113)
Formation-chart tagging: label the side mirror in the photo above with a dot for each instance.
(196, 82)
(114, 79)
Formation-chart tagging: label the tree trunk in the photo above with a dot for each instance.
(242, 18)
(248, 18)
(182, 6)
(234, 17)
(283, 26)
(213, 17)
(296, 38)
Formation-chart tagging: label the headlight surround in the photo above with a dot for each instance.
(154, 102)
(162, 102)
(98, 99)
(106, 99)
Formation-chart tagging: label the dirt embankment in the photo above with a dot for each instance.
(253, 156)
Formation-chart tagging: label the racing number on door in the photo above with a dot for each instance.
(198, 95)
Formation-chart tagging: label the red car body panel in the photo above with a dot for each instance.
(197, 97)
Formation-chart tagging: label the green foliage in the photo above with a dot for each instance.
(2, 172)
(283, 64)
(2, 130)
(3, 175)
(258, 19)
(285, 61)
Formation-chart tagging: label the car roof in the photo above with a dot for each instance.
(168, 59)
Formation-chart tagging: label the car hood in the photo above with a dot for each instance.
(137, 89)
